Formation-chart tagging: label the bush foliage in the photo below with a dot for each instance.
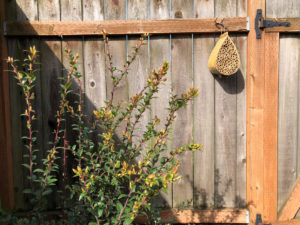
(114, 178)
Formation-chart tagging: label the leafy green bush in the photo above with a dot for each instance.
(115, 177)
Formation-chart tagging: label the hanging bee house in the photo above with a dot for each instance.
(224, 59)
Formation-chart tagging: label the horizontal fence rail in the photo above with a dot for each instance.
(118, 27)
(231, 216)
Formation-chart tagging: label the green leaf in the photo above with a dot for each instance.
(68, 85)
(127, 221)
(100, 212)
(27, 191)
(119, 206)
(122, 196)
(92, 223)
(38, 171)
(47, 192)
(26, 165)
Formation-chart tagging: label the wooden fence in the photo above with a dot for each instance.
(215, 177)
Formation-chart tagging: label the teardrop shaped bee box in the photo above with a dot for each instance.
(224, 59)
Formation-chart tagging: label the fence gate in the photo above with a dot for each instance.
(249, 124)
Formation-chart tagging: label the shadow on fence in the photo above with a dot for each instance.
(52, 68)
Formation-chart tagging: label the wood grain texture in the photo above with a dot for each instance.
(27, 10)
(94, 60)
(6, 178)
(159, 52)
(22, 10)
(140, 69)
(231, 216)
(95, 81)
(51, 71)
(287, 128)
(71, 10)
(49, 10)
(241, 104)
(255, 110)
(15, 48)
(226, 126)
(292, 204)
(93, 10)
(270, 126)
(290, 222)
(204, 119)
(159, 10)
(182, 79)
(123, 26)
(288, 114)
(115, 10)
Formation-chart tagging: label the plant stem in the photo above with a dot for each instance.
(124, 207)
(65, 171)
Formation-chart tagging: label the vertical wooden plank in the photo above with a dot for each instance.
(288, 131)
(204, 119)
(92, 10)
(160, 51)
(15, 49)
(137, 10)
(182, 79)
(137, 77)
(241, 104)
(27, 10)
(23, 10)
(94, 65)
(71, 10)
(94, 59)
(255, 104)
(49, 10)
(226, 125)
(6, 178)
(159, 9)
(116, 10)
(51, 71)
(270, 126)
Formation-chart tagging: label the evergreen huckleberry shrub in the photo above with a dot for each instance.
(113, 182)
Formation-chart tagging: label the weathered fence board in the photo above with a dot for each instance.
(241, 43)
(288, 121)
(116, 10)
(204, 106)
(16, 111)
(182, 79)
(94, 59)
(139, 70)
(6, 180)
(160, 50)
(225, 119)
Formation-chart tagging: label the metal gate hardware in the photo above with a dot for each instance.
(260, 23)
(258, 220)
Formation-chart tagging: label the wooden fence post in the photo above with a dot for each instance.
(262, 115)
(6, 168)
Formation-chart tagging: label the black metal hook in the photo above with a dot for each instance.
(220, 23)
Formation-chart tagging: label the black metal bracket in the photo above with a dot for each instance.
(258, 220)
(261, 23)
